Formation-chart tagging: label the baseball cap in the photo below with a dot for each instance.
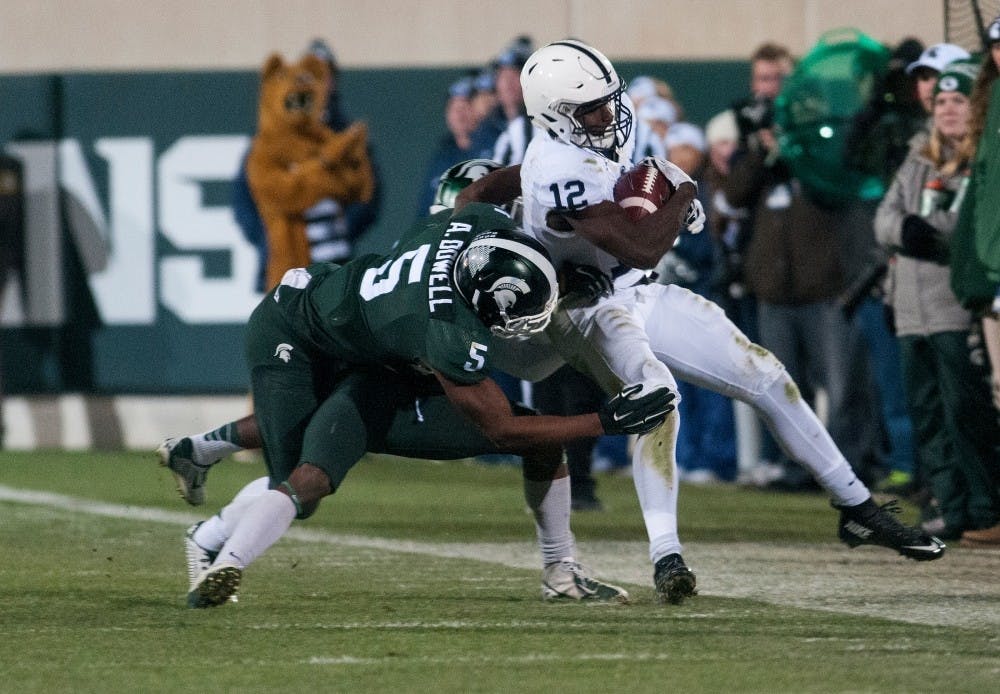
(321, 49)
(462, 87)
(516, 53)
(484, 81)
(937, 57)
(993, 31)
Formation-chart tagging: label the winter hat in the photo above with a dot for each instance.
(685, 134)
(957, 77)
(642, 87)
(657, 108)
(993, 32)
(722, 127)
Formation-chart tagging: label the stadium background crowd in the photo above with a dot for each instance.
(865, 407)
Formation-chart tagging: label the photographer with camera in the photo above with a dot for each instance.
(730, 226)
(794, 267)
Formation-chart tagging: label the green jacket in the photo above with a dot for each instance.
(975, 252)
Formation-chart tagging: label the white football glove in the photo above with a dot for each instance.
(694, 220)
(674, 173)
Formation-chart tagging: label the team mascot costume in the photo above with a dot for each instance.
(295, 160)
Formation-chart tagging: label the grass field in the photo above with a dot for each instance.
(423, 577)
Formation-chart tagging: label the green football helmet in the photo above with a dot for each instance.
(454, 181)
(508, 280)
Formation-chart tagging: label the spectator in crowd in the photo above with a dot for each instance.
(646, 86)
(882, 134)
(686, 147)
(706, 443)
(729, 227)
(11, 235)
(455, 145)
(955, 424)
(729, 224)
(974, 277)
(653, 119)
(510, 102)
(975, 267)
(484, 93)
(332, 228)
(928, 66)
(769, 65)
(794, 267)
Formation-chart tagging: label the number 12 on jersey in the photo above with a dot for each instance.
(574, 195)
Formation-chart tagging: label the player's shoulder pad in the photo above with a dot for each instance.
(556, 163)
(482, 215)
(459, 349)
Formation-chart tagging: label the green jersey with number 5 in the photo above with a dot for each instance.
(399, 309)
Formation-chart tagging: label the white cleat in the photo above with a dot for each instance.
(569, 580)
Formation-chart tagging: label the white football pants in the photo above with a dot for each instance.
(651, 333)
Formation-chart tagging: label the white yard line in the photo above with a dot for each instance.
(960, 590)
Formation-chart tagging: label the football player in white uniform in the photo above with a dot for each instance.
(639, 332)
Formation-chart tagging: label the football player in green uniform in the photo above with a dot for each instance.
(338, 353)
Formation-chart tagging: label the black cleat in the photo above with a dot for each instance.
(215, 587)
(871, 524)
(674, 581)
(177, 455)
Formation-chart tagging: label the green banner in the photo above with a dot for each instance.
(136, 278)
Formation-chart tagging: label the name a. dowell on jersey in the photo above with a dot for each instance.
(439, 289)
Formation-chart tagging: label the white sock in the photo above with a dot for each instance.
(214, 532)
(208, 452)
(550, 502)
(263, 524)
(654, 472)
(806, 441)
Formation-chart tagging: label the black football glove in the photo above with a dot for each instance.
(628, 413)
(922, 241)
(583, 285)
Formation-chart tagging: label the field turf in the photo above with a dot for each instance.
(424, 577)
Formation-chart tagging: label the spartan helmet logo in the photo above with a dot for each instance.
(948, 83)
(475, 169)
(284, 352)
(506, 290)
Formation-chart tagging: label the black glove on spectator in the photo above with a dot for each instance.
(922, 241)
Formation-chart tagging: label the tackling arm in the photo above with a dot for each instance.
(487, 406)
(630, 411)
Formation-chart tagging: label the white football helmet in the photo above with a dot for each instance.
(566, 79)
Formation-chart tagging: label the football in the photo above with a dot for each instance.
(642, 190)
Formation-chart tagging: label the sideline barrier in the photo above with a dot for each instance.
(77, 422)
